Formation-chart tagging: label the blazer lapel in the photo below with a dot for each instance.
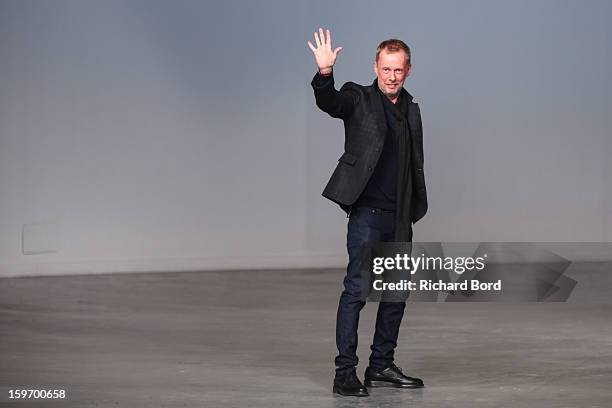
(380, 119)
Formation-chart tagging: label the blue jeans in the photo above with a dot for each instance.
(366, 226)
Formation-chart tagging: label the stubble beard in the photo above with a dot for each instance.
(392, 95)
(389, 94)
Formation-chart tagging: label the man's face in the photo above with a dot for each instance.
(391, 70)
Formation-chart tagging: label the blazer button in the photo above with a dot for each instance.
(378, 149)
(369, 169)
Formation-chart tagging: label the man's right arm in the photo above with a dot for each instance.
(338, 104)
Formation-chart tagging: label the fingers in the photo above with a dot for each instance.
(337, 50)
(317, 41)
(311, 46)
(322, 39)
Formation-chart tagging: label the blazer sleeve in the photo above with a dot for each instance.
(338, 104)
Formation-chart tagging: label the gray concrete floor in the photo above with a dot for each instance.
(266, 339)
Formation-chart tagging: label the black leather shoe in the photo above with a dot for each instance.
(350, 385)
(391, 377)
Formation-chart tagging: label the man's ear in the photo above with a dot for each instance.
(376, 72)
(408, 70)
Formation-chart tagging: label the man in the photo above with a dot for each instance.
(379, 182)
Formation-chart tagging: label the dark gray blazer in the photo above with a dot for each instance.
(361, 109)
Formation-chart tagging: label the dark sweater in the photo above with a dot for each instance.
(381, 190)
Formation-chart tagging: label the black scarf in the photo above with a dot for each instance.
(399, 124)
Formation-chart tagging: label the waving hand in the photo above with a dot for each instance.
(323, 53)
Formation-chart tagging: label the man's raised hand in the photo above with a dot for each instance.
(324, 56)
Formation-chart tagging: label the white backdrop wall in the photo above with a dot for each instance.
(154, 135)
(608, 159)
